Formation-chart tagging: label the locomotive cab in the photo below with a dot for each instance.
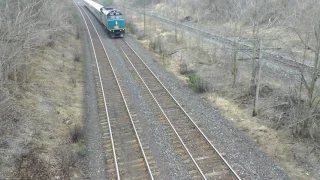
(113, 21)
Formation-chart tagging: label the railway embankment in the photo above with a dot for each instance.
(193, 57)
(41, 127)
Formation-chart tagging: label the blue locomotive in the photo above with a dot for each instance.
(112, 19)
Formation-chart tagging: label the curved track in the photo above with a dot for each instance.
(206, 159)
(231, 42)
(125, 155)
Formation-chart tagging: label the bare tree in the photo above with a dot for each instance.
(26, 26)
(307, 27)
(176, 14)
(263, 15)
(236, 17)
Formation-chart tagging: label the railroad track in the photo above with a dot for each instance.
(124, 152)
(197, 150)
(125, 155)
(232, 42)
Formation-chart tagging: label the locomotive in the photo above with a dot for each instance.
(112, 19)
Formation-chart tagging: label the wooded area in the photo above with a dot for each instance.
(289, 28)
(26, 28)
(31, 31)
(246, 76)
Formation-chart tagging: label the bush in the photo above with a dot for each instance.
(131, 27)
(183, 68)
(81, 149)
(30, 165)
(76, 57)
(196, 83)
(76, 134)
(78, 34)
(66, 158)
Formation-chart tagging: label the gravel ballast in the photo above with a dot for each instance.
(241, 153)
(94, 149)
(153, 132)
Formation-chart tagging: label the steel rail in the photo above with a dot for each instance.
(124, 100)
(104, 99)
(184, 146)
(212, 146)
(277, 58)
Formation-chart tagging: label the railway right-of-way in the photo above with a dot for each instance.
(202, 154)
(231, 42)
(125, 155)
(129, 154)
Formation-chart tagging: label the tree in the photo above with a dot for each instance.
(263, 15)
(27, 27)
(306, 25)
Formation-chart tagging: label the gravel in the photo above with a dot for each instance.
(154, 134)
(241, 153)
(168, 162)
(95, 151)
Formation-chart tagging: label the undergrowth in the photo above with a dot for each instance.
(198, 84)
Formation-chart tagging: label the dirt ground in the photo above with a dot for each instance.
(56, 97)
(289, 152)
(51, 107)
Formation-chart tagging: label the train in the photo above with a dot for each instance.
(112, 19)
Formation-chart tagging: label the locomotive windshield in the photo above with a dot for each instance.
(114, 16)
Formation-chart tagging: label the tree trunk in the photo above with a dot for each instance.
(256, 99)
(255, 33)
(235, 63)
(144, 19)
(254, 68)
(176, 21)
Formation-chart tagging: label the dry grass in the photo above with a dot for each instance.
(52, 104)
(283, 148)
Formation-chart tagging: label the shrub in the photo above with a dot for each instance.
(196, 83)
(183, 68)
(76, 57)
(131, 27)
(78, 34)
(30, 165)
(66, 158)
(81, 149)
(76, 134)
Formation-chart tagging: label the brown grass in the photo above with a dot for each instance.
(282, 149)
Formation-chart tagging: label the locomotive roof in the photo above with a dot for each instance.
(110, 10)
(94, 4)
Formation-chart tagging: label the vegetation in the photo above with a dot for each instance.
(81, 149)
(76, 134)
(35, 60)
(197, 83)
(131, 27)
(283, 99)
(292, 26)
(107, 2)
